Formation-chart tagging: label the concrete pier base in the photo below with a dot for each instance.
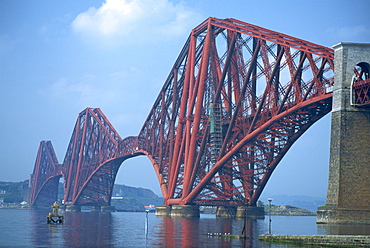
(95, 208)
(250, 212)
(326, 215)
(73, 208)
(108, 209)
(226, 212)
(163, 210)
(188, 211)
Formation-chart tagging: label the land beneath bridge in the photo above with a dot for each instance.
(126, 198)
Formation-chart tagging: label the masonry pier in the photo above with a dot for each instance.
(222, 211)
(348, 195)
(189, 211)
(226, 211)
(163, 210)
(250, 212)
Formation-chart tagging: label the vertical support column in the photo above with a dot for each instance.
(348, 195)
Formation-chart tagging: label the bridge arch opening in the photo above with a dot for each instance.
(362, 71)
(138, 172)
(50, 192)
(303, 172)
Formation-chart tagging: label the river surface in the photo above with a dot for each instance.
(28, 228)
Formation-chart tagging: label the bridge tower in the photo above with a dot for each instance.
(348, 196)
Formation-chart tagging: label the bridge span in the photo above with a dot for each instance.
(236, 99)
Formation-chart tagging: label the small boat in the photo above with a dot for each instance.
(54, 217)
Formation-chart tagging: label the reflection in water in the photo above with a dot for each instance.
(88, 229)
(28, 228)
(79, 229)
(42, 233)
(192, 232)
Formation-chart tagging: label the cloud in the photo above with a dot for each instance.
(132, 21)
(84, 92)
(353, 33)
(118, 88)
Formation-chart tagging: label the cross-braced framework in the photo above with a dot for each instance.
(235, 101)
(94, 142)
(361, 85)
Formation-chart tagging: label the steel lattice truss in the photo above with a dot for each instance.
(94, 142)
(45, 176)
(236, 99)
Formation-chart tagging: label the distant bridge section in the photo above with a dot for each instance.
(45, 176)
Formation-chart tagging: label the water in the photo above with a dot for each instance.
(28, 228)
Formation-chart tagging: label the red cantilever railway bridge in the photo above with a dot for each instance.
(236, 99)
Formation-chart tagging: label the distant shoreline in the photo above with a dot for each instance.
(292, 213)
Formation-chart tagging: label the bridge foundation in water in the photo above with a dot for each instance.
(348, 196)
(95, 208)
(108, 209)
(250, 212)
(240, 212)
(226, 211)
(73, 208)
(163, 210)
(222, 211)
(188, 211)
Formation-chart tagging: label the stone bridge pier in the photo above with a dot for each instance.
(348, 196)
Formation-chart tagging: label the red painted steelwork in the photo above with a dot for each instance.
(93, 142)
(45, 176)
(235, 101)
(361, 85)
(362, 93)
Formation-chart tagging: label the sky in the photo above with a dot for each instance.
(59, 57)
